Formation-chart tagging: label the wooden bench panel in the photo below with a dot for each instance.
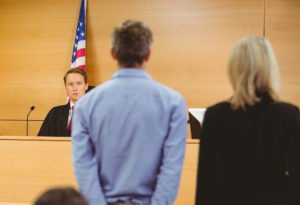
(30, 165)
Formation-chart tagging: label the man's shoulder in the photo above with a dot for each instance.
(56, 112)
(166, 90)
(60, 108)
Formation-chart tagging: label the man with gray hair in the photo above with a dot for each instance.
(129, 134)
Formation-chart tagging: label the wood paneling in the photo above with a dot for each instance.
(187, 188)
(283, 30)
(37, 40)
(30, 165)
(192, 40)
(19, 128)
(191, 43)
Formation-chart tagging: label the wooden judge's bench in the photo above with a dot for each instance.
(30, 165)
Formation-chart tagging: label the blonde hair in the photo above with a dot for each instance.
(253, 71)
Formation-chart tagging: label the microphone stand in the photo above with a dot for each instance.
(31, 109)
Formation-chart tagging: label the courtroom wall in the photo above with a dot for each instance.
(192, 40)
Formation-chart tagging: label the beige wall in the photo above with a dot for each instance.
(191, 44)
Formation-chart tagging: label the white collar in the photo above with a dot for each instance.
(71, 104)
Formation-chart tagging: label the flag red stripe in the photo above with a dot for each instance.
(80, 53)
(81, 67)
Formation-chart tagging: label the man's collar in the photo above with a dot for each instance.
(131, 72)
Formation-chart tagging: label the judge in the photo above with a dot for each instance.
(58, 120)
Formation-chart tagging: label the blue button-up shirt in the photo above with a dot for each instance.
(128, 141)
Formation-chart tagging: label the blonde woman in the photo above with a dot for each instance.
(249, 151)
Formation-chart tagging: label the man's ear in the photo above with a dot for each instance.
(147, 56)
(86, 86)
(113, 53)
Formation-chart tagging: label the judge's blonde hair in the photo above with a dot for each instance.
(253, 71)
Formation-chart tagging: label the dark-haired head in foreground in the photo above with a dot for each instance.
(61, 196)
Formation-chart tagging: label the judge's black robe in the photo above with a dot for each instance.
(56, 122)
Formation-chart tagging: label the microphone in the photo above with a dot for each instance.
(31, 109)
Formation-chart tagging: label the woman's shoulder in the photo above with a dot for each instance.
(219, 107)
(284, 108)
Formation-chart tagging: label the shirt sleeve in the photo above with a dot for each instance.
(172, 158)
(84, 160)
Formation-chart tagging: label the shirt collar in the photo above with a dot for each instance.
(131, 72)
(71, 104)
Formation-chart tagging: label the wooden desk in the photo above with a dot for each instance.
(187, 188)
(30, 165)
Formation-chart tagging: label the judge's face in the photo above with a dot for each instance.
(75, 86)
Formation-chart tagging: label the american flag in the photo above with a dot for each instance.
(78, 55)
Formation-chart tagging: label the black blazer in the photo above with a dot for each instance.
(56, 122)
(250, 157)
